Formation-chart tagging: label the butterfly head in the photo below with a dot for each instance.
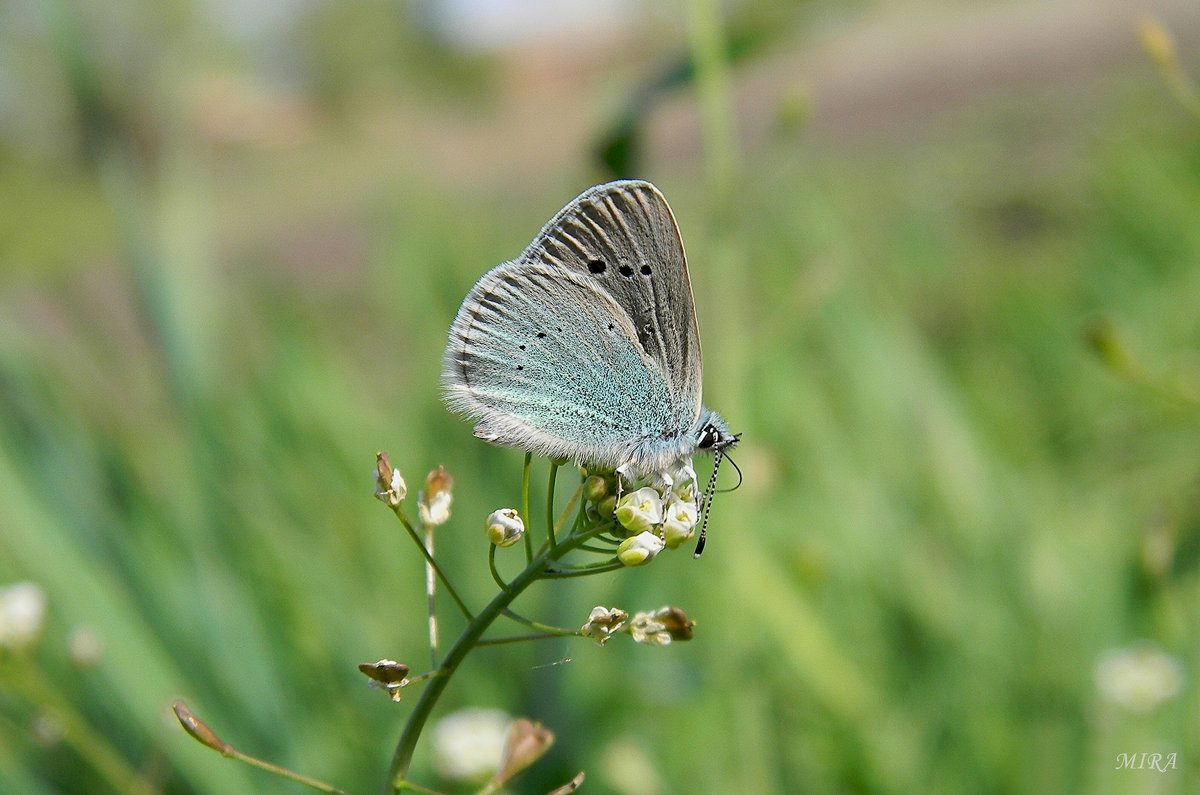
(713, 435)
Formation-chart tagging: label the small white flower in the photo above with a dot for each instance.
(22, 608)
(397, 485)
(433, 503)
(504, 527)
(640, 510)
(469, 744)
(603, 622)
(1139, 677)
(639, 549)
(436, 510)
(679, 521)
(686, 485)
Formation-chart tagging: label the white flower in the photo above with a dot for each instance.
(679, 521)
(469, 744)
(640, 510)
(639, 549)
(433, 503)
(685, 483)
(436, 510)
(504, 527)
(1138, 677)
(603, 622)
(22, 608)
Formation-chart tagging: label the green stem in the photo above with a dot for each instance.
(522, 638)
(402, 758)
(529, 622)
(550, 507)
(583, 571)
(525, 505)
(492, 565)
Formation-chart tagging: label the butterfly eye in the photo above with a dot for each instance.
(708, 437)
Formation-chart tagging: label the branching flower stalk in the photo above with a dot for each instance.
(628, 532)
(625, 523)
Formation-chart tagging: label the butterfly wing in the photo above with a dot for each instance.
(622, 238)
(547, 362)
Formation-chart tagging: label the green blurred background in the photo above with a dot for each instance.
(945, 257)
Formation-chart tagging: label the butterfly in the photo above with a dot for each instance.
(585, 347)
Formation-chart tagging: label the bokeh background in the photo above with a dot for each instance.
(946, 258)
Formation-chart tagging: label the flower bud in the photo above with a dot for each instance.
(595, 488)
(198, 729)
(679, 521)
(639, 549)
(640, 510)
(504, 527)
(524, 745)
(390, 487)
(607, 506)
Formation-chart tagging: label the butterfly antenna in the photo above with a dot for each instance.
(706, 502)
(737, 469)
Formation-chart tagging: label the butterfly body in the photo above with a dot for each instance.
(585, 346)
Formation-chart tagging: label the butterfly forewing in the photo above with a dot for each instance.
(547, 362)
(623, 238)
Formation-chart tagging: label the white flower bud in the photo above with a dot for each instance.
(639, 549)
(640, 510)
(390, 487)
(679, 521)
(504, 527)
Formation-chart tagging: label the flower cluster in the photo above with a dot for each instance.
(659, 515)
(653, 628)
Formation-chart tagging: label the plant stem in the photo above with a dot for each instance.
(402, 758)
(550, 506)
(431, 597)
